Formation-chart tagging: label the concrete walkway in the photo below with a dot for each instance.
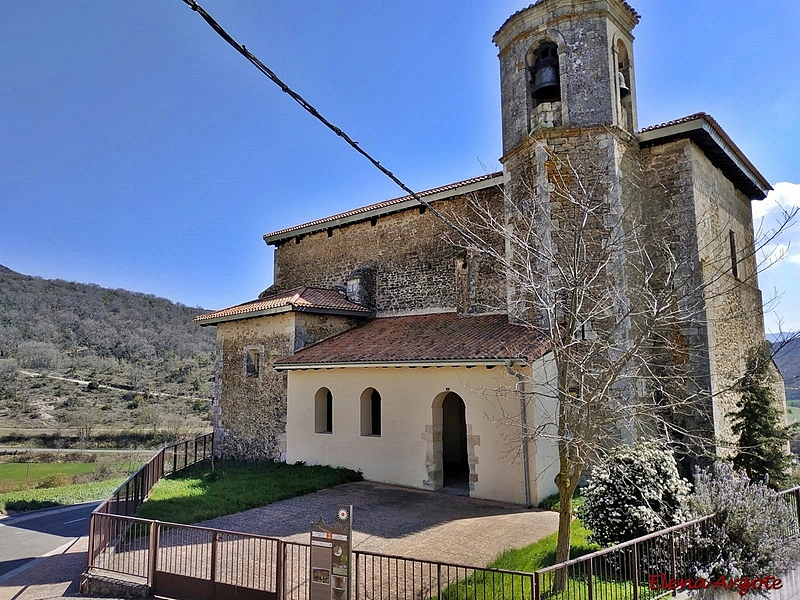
(387, 519)
(405, 522)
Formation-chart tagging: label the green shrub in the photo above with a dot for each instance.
(53, 480)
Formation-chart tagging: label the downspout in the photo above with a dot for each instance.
(524, 426)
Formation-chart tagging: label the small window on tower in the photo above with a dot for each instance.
(734, 259)
(252, 358)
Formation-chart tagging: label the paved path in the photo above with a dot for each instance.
(53, 576)
(26, 536)
(405, 522)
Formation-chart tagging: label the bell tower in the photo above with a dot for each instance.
(571, 160)
(567, 63)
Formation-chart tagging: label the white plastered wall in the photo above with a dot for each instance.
(401, 455)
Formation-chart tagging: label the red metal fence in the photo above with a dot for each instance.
(200, 563)
(128, 497)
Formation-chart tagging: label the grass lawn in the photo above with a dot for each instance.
(490, 586)
(198, 493)
(60, 496)
(19, 474)
(543, 553)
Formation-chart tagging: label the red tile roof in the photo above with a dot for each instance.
(378, 205)
(301, 299)
(435, 338)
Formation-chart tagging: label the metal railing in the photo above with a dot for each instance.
(186, 561)
(623, 572)
(129, 496)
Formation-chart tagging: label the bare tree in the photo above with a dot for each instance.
(621, 299)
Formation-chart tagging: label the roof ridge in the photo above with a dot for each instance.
(686, 119)
(385, 203)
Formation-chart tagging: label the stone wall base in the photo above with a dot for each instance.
(98, 586)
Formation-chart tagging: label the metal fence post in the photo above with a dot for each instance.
(213, 564)
(537, 585)
(90, 557)
(797, 506)
(280, 564)
(635, 572)
(355, 566)
(152, 552)
(590, 582)
(673, 559)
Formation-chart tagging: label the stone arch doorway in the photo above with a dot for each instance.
(455, 456)
(451, 457)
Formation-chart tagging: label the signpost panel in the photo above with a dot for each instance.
(331, 557)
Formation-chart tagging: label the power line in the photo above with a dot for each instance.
(241, 49)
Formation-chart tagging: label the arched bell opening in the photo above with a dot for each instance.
(544, 79)
(624, 86)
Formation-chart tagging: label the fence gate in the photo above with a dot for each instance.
(193, 563)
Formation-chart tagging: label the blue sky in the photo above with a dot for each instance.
(139, 151)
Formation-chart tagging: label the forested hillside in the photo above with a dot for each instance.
(147, 364)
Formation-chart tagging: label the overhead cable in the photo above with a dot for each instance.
(241, 49)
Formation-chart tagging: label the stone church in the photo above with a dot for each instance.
(384, 344)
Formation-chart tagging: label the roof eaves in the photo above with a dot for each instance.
(319, 310)
(709, 135)
(204, 320)
(425, 364)
(384, 208)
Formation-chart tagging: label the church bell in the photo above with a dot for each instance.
(624, 90)
(546, 82)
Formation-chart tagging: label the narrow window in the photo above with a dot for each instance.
(323, 411)
(734, 260)
(252, 358)
(371, 412)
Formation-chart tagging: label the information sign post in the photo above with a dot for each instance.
(331, 557)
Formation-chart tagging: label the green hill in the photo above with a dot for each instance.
(138, 362)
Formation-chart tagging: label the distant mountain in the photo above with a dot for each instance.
(135, 342)
(787, 358)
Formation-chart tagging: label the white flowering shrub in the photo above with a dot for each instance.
(750, 536)
(635, 491)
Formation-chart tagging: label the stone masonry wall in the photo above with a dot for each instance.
(734, 304)
(669, 180)
(412, 255)
(250, 411)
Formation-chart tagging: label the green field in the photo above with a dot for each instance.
(61, 496)
(19, 474)
(793, 414)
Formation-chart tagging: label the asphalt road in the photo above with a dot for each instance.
(28, 536)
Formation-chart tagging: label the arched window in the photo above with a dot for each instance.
(323, 411)
(371, 412)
